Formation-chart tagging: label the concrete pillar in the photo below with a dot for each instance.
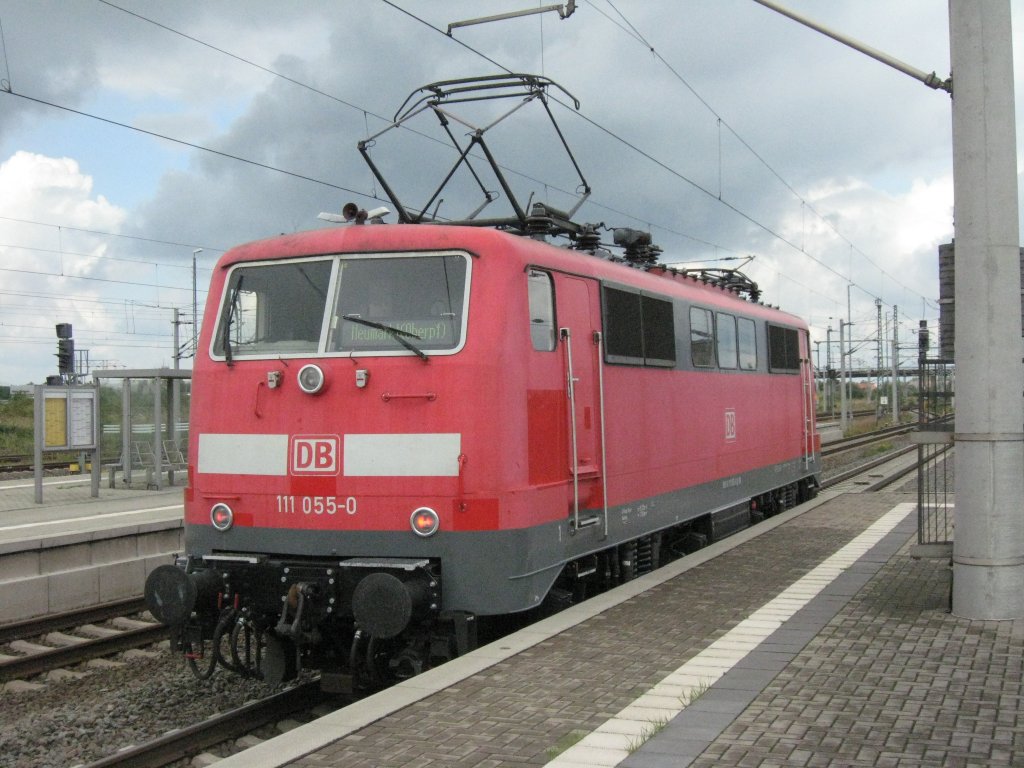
(988, 550)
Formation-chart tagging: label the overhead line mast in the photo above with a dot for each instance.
(988, 548)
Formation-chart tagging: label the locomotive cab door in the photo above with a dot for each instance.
(811, 442)
(578, 312)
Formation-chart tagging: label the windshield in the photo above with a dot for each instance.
(386, 305)
(421, 297)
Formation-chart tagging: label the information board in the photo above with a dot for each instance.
(68, 415)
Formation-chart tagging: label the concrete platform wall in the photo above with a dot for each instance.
(44, 577)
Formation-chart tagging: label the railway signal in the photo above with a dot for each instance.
(65, 350)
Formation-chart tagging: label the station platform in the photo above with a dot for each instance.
(74, 550)
(813, 639)
(68, 513)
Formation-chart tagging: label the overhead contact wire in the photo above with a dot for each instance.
(636, 35)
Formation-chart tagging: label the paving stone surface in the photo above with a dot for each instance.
(887, 678)
(893, 680)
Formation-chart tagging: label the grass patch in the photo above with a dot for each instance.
(17, 422)
(650, 730)
(655, 727)
(694, 693)
(879, 448)
(570, 739)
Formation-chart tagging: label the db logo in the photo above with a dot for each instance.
(730, 425)
(315, 455)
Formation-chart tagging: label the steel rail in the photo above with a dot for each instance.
(860, 441)
(842, 477)
(54, 622)
(191, 740)
(44, 661)
(886, 481)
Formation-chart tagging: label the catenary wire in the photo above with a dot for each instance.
(301, 176)
(636, 35)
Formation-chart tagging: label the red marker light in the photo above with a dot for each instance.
(425, 522)
(221, 517)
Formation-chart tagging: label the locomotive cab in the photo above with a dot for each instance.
(328, 426)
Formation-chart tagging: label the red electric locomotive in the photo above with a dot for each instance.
(397, 429)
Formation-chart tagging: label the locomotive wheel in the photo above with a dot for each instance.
(808, 490)
(442, 648)
(375, 663)
(378, 661)
(627, 561)
(406, 663)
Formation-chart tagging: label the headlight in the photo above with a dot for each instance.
(311, 379)
(222, 517)
(424, 522)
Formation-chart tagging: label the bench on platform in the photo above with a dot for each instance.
(142, 458)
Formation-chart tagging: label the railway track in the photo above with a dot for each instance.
(13, 464)
(184, 743)
(71, 643)
(82, 641)
(896, 471)
(865, 440)
(58, 621)
(825, 417)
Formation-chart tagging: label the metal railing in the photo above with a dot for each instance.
(934, 437)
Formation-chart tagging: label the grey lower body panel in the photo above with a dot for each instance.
(511, 570)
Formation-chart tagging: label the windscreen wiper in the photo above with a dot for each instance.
(226, 338)
(396, 333)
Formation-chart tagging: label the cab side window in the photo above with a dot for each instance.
(541, 293)
(726, 337)
(748, 344)
(702, 337)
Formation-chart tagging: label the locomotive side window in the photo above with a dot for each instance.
(542, 310)
(623, 330)
(274, 309)
(726, 337)
(747, 344)
(783, 349)
(659, 331)
(639, 328)
(399, 304)
(702, 338)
